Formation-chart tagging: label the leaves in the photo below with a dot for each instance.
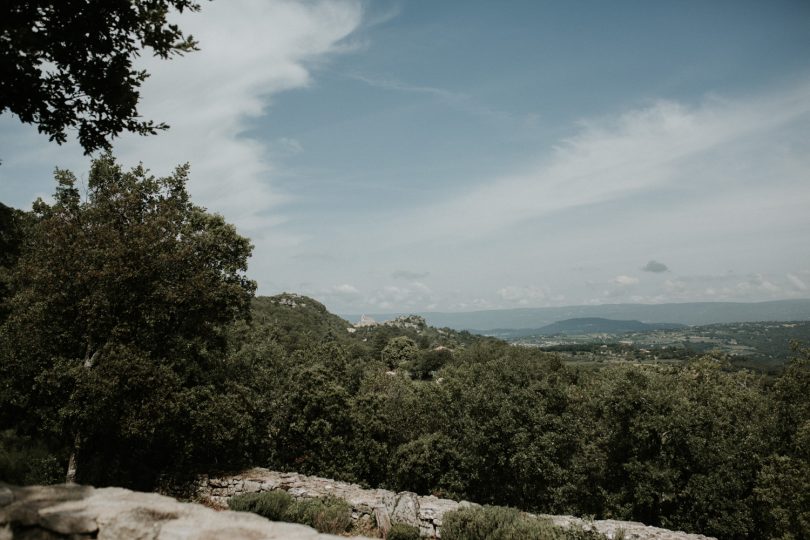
(69, 65)
(119, 320)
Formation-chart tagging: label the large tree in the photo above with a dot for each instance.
(68, 64)
(117, 326)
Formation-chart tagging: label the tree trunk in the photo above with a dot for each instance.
(70, 477)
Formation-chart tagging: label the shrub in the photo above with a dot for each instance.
(501, 523)
(402, 531)
(274, 505)
(328, 515)
(428, 464)
(25, 461)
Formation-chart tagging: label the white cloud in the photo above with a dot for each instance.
(625, 281)
(753, 287)
(797, 282)
(664, 145)
(346, 289)
(250, 51)
(522, 295)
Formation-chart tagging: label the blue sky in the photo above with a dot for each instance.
(415, 155)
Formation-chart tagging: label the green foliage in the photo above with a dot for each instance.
(327, 515)
(95, 92)
(429, 464)
(783, 494)
(24, 461)
(297, 322)
(118, 323)
(274, 505)
(400, 352)
(402, 531)
(313, 430)
(675, 447)
(13, 226)
(430, 361)
(498, 523)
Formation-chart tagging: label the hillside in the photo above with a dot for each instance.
(294, 320)
(597, 325)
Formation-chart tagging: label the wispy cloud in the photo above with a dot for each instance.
(250, 51)
(458, 100)
(409, 275)
(523, 296)
(655, 147)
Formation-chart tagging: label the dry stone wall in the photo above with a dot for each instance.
(387, 507)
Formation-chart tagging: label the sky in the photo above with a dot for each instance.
(403, 156)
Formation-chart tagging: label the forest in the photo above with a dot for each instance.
(134, 353)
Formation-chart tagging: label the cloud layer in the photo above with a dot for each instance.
(720, 186)
(249, 53)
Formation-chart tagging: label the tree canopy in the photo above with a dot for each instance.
(119, 311)
(69, 64)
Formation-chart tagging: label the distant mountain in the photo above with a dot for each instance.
(695, 313)
(598, 325)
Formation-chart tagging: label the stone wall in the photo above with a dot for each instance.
(80, 512)
(386, 507)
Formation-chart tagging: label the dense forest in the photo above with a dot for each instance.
(133, 353)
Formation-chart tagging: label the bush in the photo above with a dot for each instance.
(428, 464)
(25, 461)
(501, 523)
(401, 531)
(273, 505)
(328, 515)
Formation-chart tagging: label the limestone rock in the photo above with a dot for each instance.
(116, 513)
(406, 509)
(383, 520)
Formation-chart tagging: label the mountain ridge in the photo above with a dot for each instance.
(687, 313)
(597, 325)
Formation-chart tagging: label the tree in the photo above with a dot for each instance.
(120, 309)
(69, 64)
(12, 230)
(400, 352)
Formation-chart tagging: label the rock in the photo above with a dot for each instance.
(115, 513)
(406, 509)
(65, 521)
(6, 496)
(383, 520)
(365, 321)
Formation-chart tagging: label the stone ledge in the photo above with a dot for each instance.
(82, 512)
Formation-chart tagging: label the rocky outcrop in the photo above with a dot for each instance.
(81, 512)
(414, 322)
(365, 321)
(387, 507)
(289, 299)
